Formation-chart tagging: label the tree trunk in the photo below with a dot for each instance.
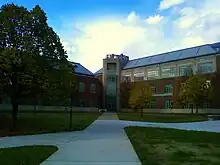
(14, 113)
(35, 104)
(192, 109)
(197, 109)
(71, 112)
(142, 113)
(14, 98)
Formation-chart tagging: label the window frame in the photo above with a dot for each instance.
(93, 88)
(139, 76)
(82, 87)
(168, 90)
(201, 69)
(166, 72)
(169, 103)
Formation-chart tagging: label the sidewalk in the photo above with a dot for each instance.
(102, 143)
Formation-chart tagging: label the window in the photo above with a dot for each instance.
(152, 73)
(139, 76)
(185, 70)
(126, 78)
(151, 104)
(153, 89)
(168, 72)
(111, 66)
(168, 104)
(205, 67)
(93, 88)
(187, 106)
(81, 102)
(168, 88)
(81, 87)
(111, 78)
(206, 105)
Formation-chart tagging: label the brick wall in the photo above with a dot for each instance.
(87, 95)
(176, 83)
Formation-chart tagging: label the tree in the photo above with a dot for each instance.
(125, 91)
(196, 91)
(30, 52)
(140, 95)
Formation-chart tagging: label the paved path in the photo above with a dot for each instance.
(102, 143)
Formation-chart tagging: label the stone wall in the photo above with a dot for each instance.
(8, 107)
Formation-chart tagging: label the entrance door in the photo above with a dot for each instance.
(111, 106)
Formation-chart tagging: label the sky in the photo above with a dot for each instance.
(90, 29)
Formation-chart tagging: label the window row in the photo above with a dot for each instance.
(82, 87)
(153, 104)
(168, 88)
(185, 70)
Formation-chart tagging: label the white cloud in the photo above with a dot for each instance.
(132, 17)
(166, 4)
(154, 19)
(193, 25)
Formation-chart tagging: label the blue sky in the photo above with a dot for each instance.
(89, 29)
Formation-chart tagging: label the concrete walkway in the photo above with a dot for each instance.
(100, 144)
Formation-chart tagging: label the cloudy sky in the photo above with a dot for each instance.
(90, 29)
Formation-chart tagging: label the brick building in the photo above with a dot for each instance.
(89, 91)
(89, 88)
(165, 73)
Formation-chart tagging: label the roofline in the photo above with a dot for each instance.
(86, 75)
(172, 51)
(171, 61)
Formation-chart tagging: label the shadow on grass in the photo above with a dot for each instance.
(27, 155)
(37, 123)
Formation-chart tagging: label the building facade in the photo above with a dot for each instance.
(89, 88)
(165, 73)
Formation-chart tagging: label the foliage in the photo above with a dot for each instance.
(196, 91)
(125, 91)
(140, 94)
(32, 58)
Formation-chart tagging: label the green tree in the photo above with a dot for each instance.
(30, 54)
(140, 95)
(125, 91)
(196, 91)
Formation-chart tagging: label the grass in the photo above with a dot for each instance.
(156, 146)
(27, 155)
(36, 123)
(165, 118)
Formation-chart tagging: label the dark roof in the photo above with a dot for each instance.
(81, 70)
(99, 72)
(198, 51)
(182, 54)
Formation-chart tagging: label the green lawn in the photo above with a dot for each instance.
(30, 123)
(161, 146)
(166, 118)
(27, 155)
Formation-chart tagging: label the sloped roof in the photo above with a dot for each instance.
(79, 69)
(99, 71)
(182, 54)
